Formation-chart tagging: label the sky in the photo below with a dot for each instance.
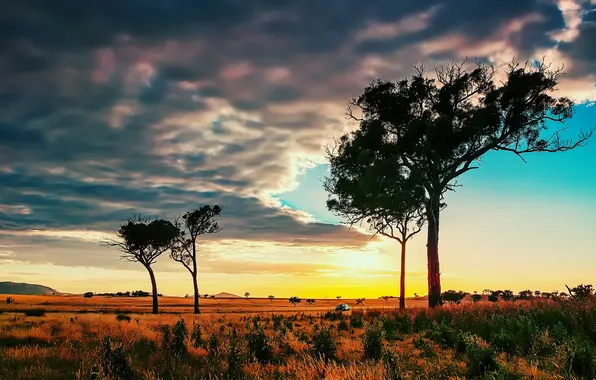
(120, 106)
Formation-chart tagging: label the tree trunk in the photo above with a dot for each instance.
(432, 254)
(196, 285)
(153, 289)
(194, 277)
(402, 277)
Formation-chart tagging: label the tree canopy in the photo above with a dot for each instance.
(143, 240)
(417, 136)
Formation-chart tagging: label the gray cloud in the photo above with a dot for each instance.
(160, 106)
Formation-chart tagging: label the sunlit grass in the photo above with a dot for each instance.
(530, 339)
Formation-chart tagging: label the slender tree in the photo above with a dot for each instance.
(143, 240)
(435, 130)
(360, 193)
(192, 225)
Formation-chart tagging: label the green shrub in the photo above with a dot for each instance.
(323, 345)
(424, 346)
(356, 321)
(122, 317)
(391, 365)
(372, 340)
(115, 361)
(581, 358)
(481, 358)
(343, 325)
(235, 356)
(179, 338)
(258, 344)
(34, 313)
(196, 337)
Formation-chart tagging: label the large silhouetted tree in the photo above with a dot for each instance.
(143, 240)
(361, 192)
(435, 130)
(192, 225)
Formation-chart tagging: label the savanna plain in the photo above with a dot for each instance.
(71, 337)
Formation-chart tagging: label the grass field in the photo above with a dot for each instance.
(541, 339)
(77, 303)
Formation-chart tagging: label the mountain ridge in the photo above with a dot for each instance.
(9, 287)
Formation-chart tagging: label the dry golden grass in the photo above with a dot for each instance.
(69, 345)
(77, 303)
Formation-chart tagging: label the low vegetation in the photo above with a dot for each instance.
(539, 338)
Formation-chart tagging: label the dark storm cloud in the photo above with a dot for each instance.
(478, 20)
(109, 107)
(582, 50)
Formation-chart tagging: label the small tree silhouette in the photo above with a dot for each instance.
(192, 225)
(453, 296)
(525, 295)
(581, 292)
(246, 294)
(338, 297)
(143, 240)
(271, 298)
(294, 301)
(507, 295)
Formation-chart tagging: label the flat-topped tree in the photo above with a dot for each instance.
(389, 202)
(435, 130)
(192, 225)
(143, 240)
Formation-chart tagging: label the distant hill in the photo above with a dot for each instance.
(226, 295)
(8, 287)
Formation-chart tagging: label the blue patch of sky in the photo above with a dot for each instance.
(569, 174)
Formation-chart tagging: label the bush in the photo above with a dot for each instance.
(277, 321)
(372, 341)
(34, 313)
(476, 297)
(391, 365)
(196, 337)
(179, 338)
(122, 317)
(424, 346)
(258, 344)
(453, 296)
(88, 295)
(214, 344)
(444, 334)
(482, 358)
(581, 358)
(115, 361)
(235, 357)
(356, 321)
(323, 345)
(343, 325)
(390, 327)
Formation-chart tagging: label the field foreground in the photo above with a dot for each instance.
(542, 339)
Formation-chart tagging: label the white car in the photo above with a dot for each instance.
(342, 307)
